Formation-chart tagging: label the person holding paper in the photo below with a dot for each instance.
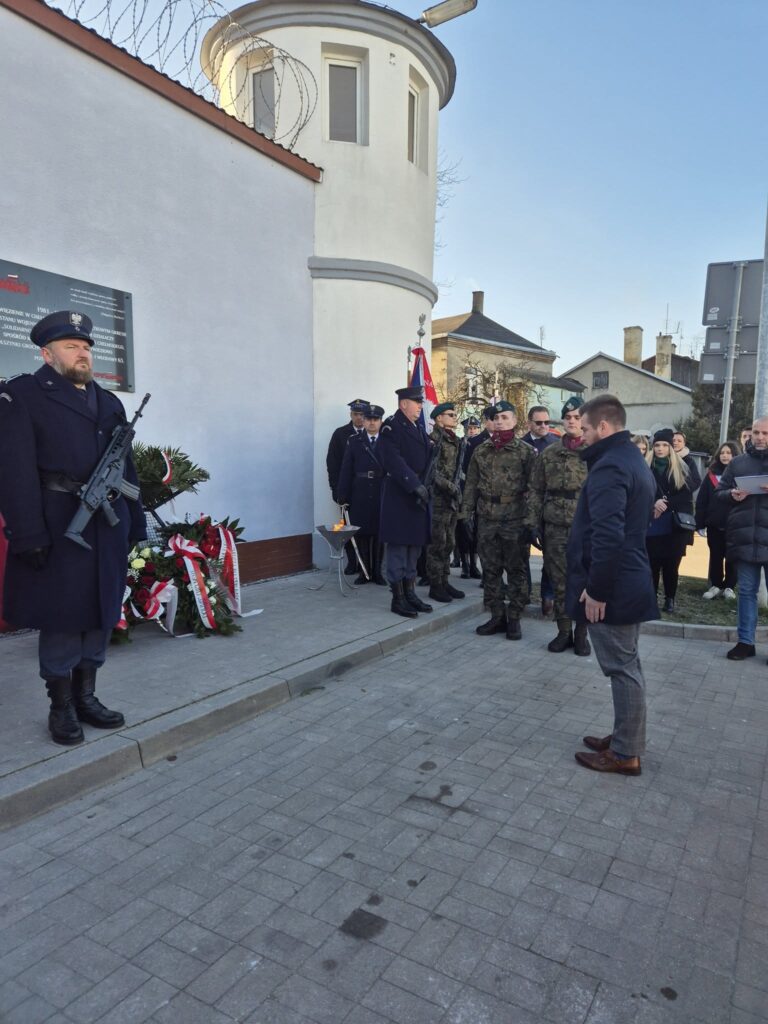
(747, 531)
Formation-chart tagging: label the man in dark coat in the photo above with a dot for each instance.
(54, 426)
(335, 457)
(406, 453)
(359, 487)
(609, 577)
(746, 532)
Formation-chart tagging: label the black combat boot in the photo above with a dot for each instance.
(456, 560)
(399, 604)
(581, 641)
(438, 592)
(409, 589)
(465, 567)
(88, 707)
(474, 568)
(453, 591)
(514, 632)
(377, 551)
(496, 624)
(564, 638)
(62, 720)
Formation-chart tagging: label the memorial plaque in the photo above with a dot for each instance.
(28, 294)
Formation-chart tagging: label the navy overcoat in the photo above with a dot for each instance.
(404, 451)
(45, 425)
(359, 483)
(335, 456)
(606, 545)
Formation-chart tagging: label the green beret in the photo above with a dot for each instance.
(573, 403)
(504, 407)
(440, 409)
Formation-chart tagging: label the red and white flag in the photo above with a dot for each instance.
(422, 378)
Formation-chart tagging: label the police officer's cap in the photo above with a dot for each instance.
(573, 403)
(373, 412)
(504, 407)
(470, 421)
(414, 394)
(440, 409)
(66, 323)
(665, 434)
(489, 412)
(358, 404)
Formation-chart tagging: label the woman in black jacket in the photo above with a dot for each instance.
(712, 515)
(665, 540)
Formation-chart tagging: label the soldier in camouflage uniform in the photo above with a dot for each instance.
(497, 481)
(556, 480)
(446, 497)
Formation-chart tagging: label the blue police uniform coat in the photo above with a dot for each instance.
(606, 546)
(359, 483)
(336, 448)
(47, 426)
(404, 451)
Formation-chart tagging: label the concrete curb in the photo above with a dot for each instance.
(69, 774)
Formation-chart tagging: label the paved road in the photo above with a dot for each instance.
(415, 844)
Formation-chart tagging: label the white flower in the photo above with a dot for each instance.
(212, 600)
(138, 563)
(145, 552)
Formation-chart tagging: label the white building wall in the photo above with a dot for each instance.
(106, 181)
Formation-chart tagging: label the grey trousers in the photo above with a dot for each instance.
(400, 562)
(618, 657)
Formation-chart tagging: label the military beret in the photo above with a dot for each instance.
(373, 412)
(66, 323)
(665, 434)
(470, 421)
(358, 404)
(414, 394)
(573, 403)
(503, 407)
(489, 412)
(440, 409)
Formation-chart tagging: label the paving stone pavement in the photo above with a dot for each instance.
(415, 843)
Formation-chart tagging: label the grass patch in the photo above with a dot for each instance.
(691, 607)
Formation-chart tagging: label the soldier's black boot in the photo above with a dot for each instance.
(465, 574)
(514, 632)
(496, 624)
(453, 591)
(409, 589)
(377, 551)
(438, 592)
(581, 644)
(88, 707)
(399, 604)
(62, 720)
(456, 560)
(474, 568)
(564, 638)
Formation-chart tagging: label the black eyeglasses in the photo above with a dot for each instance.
(540, 423)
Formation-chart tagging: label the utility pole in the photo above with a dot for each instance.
(733, 327)
(761, 373)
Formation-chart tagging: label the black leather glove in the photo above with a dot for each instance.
(35, 558)
(422, 493)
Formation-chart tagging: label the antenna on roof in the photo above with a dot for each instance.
(542, 336)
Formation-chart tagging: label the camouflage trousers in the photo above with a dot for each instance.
(555, 542)
(500, 550)
(441, 545)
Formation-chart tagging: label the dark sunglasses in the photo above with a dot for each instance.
(540, 423)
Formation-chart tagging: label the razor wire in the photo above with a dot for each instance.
(168, 35)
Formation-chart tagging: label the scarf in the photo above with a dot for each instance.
(661, 466)
(451, 433)
(572, 443)
(502, 437)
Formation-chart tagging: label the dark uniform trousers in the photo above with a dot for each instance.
(59, 653)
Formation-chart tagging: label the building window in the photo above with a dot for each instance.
(413, 122)
(263, 101)
(600, 380)
(417, 120)
(344, 101)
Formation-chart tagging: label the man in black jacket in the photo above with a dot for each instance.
(335, 457)
(747, 532)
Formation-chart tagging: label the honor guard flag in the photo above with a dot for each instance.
(422, 378)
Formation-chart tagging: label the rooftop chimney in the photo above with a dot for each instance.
(633, 345)
(477, 301)
(663, 367)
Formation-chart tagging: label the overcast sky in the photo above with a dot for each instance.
(610, 150)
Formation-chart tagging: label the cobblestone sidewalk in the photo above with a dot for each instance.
(415, 844)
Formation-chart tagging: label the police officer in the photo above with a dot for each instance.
(497, 481)
(335, 457)
(359, 487)
(406, 453)
(54, 426)
(446, 498)
(556, 479)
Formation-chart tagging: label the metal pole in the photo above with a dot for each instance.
(733, 325)
(761, 375)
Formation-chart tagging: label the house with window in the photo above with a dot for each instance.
(470, 348)
(652, 399)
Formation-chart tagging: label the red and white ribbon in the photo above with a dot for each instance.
(168, 469)
(193, 556)
(227, 579)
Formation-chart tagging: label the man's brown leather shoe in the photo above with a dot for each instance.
(608, 762)
(595, 743)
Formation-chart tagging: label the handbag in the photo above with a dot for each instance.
(683, 521)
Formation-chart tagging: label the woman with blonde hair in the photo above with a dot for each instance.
(642, 443)
(667, 537)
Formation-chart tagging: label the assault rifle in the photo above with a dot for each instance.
(106, 482)
(458, 474)
(429, 473)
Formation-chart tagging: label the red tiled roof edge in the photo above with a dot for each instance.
(90, 42)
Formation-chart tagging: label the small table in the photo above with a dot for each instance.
(336, 540)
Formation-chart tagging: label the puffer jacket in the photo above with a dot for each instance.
(746, 532)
